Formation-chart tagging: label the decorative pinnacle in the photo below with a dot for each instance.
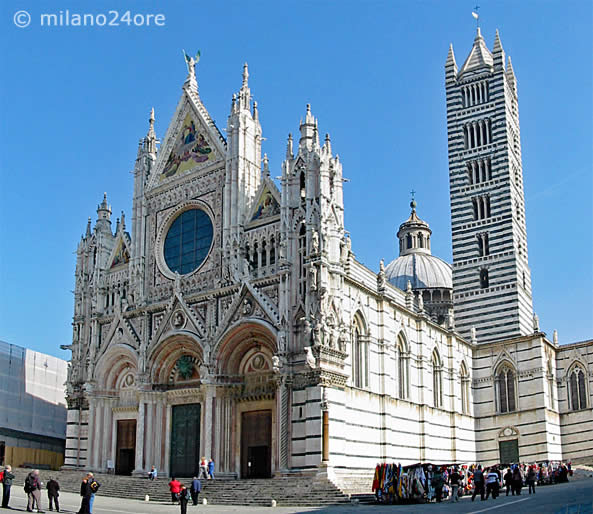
(245, 76)
(266, 165)
(413, 202)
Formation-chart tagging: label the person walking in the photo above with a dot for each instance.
(455, 480)
(195, 488)
(184, 498)
(211, 469)
(508, 482)
(531, 479)
(33, 490)
(85, 492)
(492, 484)
(203, 469)
(478, 483)
(94, 487)
(7, 478)
(53, 488)
(174, 489)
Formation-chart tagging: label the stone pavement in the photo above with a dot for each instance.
(576, 497)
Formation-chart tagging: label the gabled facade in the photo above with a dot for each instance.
(235, 322)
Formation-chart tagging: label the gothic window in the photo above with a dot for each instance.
(302, 244)
(483, 244)
(524, 281)
(254, 263)
(359, 354)
(484, 280)
(464, 377)
(402, 369)
(481, 207)
(420, 241)
(272, 253)
(303, 187)
(577, 391)
(505, 389)
(437, 380)
(264, 254)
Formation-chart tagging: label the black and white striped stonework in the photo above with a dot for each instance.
(491, 282)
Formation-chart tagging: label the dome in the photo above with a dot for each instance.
(415, 262)
(422, 270)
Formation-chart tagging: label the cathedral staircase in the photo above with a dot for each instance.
(296, 490)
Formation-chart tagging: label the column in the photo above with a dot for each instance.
(207, 428)
(139, 469)
(98, 425)
(149, 438)
(91, 441)
(106, 453)
(475, 135)
(167, 439)
(158, 436)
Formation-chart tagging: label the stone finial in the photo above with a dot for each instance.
(151, 135)
(123, 220)
(289, 154)
(255, 113)
(88, 227)
(555, 337)
(245, 83)
(266, 165)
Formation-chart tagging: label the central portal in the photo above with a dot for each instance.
(256, 444)
(185, 440)
(126, 446)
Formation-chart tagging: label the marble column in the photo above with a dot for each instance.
(158, 436)
(91, 443)
(139, 468)
(167, 439)
(149, 437)
(207, 427)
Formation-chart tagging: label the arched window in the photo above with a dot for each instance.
(420, 241)
(437, 380)
(505, 389)
(576, 391)
(359, 354)
(402, 376)
(464, 377)
(409, 240)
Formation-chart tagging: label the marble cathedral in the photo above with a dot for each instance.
(235, 321)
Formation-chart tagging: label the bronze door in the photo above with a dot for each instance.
(125, 455)
(509, 451)
(185, 440)
(256, 444)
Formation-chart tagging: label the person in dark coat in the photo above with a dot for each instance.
(530, 479)
(7, 479)
(478, 483)
(85, 492)
(184, 497)
(508, 482)
(33, 490)
(195, 488)
(53, 488)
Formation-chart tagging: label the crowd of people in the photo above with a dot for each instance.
(33, 487)
(181, 494)
(419, 482)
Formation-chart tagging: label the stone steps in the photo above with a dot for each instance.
(295, 490)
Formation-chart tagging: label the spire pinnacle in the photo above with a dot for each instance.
(255, 112)
(88, 227)
(266, 165)
(245, 76)
(151, 136)
(289, 153)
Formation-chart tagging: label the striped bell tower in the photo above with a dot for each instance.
(491, 276)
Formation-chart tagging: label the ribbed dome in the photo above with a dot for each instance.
(422, 270)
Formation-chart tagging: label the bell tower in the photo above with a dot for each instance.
(491, 276)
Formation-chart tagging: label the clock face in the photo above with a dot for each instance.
(188, 241)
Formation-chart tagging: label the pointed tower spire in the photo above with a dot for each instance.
(88, 228)
(103, 215)
(307, 128)
(123, 221)
(150, 141)
(479, 58)
(327, 145)
(498, 53)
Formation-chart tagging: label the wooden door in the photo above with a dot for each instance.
(509, 451)
(185, 440)
(256, 444)
(125, 455)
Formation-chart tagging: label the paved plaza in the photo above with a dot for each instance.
(575, 497)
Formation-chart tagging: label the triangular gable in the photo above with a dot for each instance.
(266, 206)
(178, 317)
(248, 303)
(120, 253)
(192, 142)
(120, 331)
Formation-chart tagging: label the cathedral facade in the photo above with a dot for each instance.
(235, 321)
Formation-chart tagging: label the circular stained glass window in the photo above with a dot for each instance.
(188, 241)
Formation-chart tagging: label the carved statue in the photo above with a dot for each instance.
(473, 334)
(276, 364)
(381, 280)
(313, 277)
(314, 242)
(555, 337)
(535, 322)
(247, 307)
(420, 303)
(310, 358)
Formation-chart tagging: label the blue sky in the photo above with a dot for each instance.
(75, 100)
